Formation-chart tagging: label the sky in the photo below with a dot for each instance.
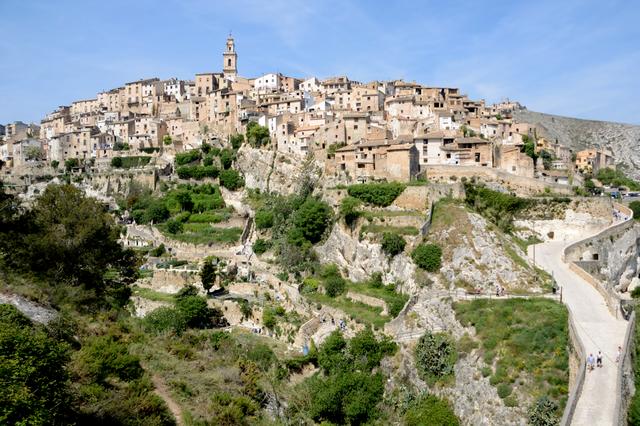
(578, 58)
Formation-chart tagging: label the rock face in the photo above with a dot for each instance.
(31, 310)
(268, 170)
(622, 139)
(360, 259)
(478, 256)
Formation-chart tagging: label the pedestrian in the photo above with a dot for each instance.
(497, 290)
(590, 362)
(619, 354)
(599, 359)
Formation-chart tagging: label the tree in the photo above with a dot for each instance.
(72, 241)
(236, 141)
(157, 212)
(334, 284)
(55, 164)
(264, 218)
(635, 207)
(260, 246)
(35, 385)
(33, 153)
(226, 158)
(116, 162)
(349, 209)
(231, 179)
(174, 226)
(208, 274)
(71, 163)
(167, 140)
(544, 413)
(185, 200)
(393, 244)
(430, 410)
(311, 220)
(428, 257)
(257, 135)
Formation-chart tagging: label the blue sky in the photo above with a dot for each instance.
(575, 58)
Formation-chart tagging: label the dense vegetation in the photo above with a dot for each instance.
(633, 412)
(129, 162)
(429, 410)
(335, 286)
(393, 244)
(377, 194)
(617, 178)
(186, 213)
(435, 356)
(524, 344)
(347, 391)
(635, 208)
(63, 252)
(257, 135)
(210, 162)
(498, 207)
(428, 257)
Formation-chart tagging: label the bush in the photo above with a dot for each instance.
(349, 210)
(264, 219)
(393, 244)
(157, 212)
(55, 164)
(34, 378)
(504, 390)
(116, 162)
(105, 357)
(545, 413)
(378, 194)
(174, 226)
(164, 319)
(158, 251)
(310, 221)
(226, 158)
(188, 157)
(430, 410)
(236, 141)
(71, 163)
(231, 179)
(428, 257)
(332, 281)
(195, 311)
(435, 356)
(635, 207)
(257, 135)
(197, 172)
(261, 246)
(167, 140)
(208, 274)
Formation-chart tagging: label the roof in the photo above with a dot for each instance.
(472, 140)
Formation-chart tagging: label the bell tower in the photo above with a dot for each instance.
(230, 58)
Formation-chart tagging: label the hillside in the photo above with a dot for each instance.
(622, 139)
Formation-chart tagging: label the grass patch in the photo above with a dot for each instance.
(524, 244)
(524, 343)
(392, 213)
(358, 311)
(517, 259)
(203, 233)
(395, 301)
(400, 230)
(156, 296)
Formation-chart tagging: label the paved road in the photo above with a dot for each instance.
(597, 328)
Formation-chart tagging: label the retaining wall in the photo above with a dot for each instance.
(576, 390)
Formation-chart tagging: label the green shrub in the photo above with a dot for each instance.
(544, 412)
(188, 157)
(264, 218)
(496, 206)
(195, 311)
(157, 212)
(430, 410)
(435, 356)
(504, 390)
(428, 257)
(174, 226)
(164, 319)
(116, 162)
(55, 164)
(105, 357)
(208, 274)
(218, 339)
(349, 209)
(257, 135)
(635, 207)
(378, 194)
(392, 244)
(158, 251)
(261, 246)
(231, 179)
(197, 172)
(167, 140)
(226, 158)
(333, 283)
(236, 141)
(34, 378)
(310, 221)
(71, 163)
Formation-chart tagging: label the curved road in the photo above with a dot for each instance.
(598, 330)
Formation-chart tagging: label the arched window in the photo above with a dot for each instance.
(229, 62)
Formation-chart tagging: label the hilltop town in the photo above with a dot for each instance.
(280, 250)
(380, 130)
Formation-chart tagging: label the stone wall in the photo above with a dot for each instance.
(519, 184)
(577, 357)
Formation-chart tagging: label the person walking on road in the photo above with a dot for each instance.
(599, 359)
(618, 353)
(590, 362)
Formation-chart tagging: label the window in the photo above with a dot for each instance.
(477, 157)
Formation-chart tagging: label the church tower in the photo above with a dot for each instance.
(230, 57)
